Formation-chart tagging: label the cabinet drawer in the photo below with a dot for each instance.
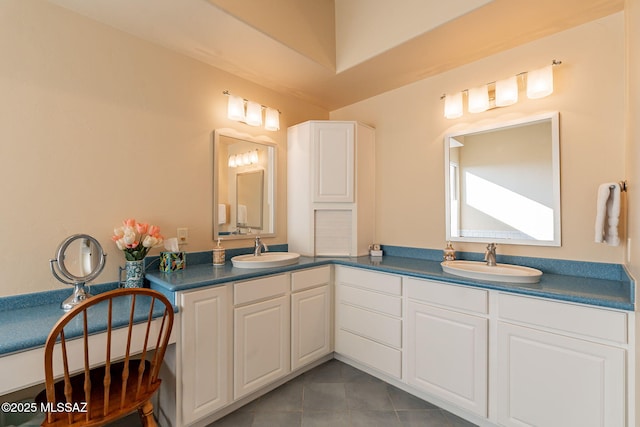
(378, 356)
(381, 328)
(306, 279)
(386, 304)
(586, 321)
(454, 296)
(381, 282)
(260, 289)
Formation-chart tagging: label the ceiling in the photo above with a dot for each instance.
(333, 53)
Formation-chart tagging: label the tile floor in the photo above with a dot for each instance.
(335, 395)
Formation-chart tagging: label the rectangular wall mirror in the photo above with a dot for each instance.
(502, 182)
(244, 169)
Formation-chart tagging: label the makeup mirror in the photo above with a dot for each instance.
(79, 259)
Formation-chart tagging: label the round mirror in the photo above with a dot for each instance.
(79, 259)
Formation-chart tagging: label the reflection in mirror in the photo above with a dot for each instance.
(249, 197)
(503, 183)
(244, 185)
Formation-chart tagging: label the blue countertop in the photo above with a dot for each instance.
(611, 287)
(26, 320)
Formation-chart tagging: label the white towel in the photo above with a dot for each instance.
(242, 214)
(222, 213)
(608, 213)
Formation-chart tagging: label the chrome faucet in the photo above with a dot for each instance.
(490, 254)
(259, 247)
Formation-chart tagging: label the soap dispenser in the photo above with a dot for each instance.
(218, 254)
(449, 254)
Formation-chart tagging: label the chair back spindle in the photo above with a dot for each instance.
(114, 388)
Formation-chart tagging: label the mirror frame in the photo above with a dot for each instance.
(555, 165)
(262, 140)
(61, 255)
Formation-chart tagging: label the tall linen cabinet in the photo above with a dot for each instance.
(331, 188)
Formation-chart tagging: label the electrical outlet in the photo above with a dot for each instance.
(183, 236)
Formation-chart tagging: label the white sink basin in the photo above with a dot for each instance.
(266, 260)
(497, 273)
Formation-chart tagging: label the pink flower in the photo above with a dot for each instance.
(154, 231)
(142, 227)
(129, 222)
(136, 239)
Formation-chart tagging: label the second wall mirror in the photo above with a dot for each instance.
(502, 182)
(244, 169)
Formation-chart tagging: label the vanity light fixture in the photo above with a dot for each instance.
(250, 112)
(501, 93)
(243, 159)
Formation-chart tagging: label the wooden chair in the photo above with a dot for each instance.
(101, 394)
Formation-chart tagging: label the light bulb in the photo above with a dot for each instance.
(507, 91)
(453, 106)
(254, 114)
(478, 99)
(235, 108)
(540, 82)
(271, 119)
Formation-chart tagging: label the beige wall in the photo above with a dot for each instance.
(589, 93)
(632, 14)
(97, 126)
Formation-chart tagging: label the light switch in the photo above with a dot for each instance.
(183, 236)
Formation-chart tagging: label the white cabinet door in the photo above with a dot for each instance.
(549, 380)
(310, 325)
(261, 344)
(447, 355)
(204, 344)
(333, 162)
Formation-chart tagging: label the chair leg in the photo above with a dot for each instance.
(146, 414)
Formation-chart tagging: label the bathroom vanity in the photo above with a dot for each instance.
(493, 353)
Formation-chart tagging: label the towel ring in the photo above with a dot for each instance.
(622, 184)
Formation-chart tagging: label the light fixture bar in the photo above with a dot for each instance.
(226, 92)
(250, 112)
(543, 88)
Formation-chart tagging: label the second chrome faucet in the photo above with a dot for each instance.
(259, 247)
(490, 254)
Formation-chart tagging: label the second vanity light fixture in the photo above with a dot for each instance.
(250, 112)
(243, 159)
(505, 92)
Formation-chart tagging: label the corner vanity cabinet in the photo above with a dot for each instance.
(330, 188)
(492, 357)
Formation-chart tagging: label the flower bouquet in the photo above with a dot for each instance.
(136, 238)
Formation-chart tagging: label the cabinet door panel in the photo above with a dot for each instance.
(546, 379)
(204, 347)
(310, 325)
(261, 344)
(334, 163)
(448, 355)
